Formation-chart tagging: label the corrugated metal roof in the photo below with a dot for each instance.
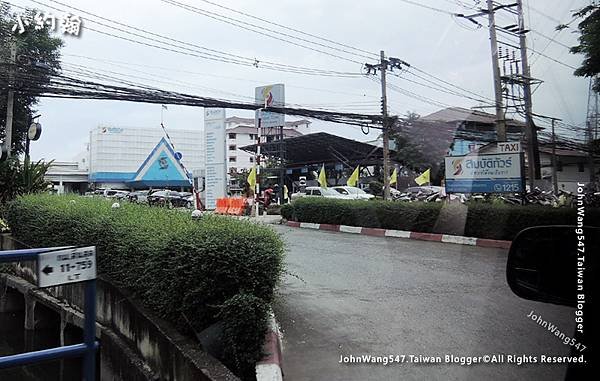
(459, 114)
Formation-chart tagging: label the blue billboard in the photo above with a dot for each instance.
(485, 173)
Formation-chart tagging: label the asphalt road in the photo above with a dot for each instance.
(357, 295)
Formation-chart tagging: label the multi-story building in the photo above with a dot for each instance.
(243, 132)
(128, 158)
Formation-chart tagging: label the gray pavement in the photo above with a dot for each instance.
(353, 295)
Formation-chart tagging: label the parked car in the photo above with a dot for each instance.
(169, 198)
(140, 196)
(353, 192)
(115, 193)
(321, 192)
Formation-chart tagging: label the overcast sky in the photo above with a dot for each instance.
(434, 42)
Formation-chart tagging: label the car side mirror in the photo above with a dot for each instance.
(545, 263)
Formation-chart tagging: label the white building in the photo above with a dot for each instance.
(243, 132)
(127, 158)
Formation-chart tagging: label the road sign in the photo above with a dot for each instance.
(492, 173)
(66, 266)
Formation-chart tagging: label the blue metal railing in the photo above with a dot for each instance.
(87, 349)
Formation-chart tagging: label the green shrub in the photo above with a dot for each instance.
(483, 220)
(186, 271)
(287, 212)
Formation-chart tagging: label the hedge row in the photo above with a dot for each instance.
(483, 220)
(191, 273)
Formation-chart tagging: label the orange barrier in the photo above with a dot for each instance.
(233, 206)
(238, 206)
(222, 206)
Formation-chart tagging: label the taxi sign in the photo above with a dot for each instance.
(66, 266)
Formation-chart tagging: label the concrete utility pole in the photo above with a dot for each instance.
(386, 137)
(554, 179)
(500, 115)
(11, 99)
(592, 125)
(533, 154)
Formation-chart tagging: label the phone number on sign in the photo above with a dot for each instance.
(499, 358)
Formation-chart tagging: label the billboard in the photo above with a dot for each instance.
(216, 166)
(272, 96)
(491, 173)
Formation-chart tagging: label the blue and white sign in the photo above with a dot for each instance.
(493, 173)
(270, 96)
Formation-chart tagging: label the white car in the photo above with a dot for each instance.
(353, 192)
(321, 192)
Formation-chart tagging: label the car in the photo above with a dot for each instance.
(115, 193)
(353, 192)
(427, 189)
(169, 198)
(548, 264)
(140, 196)
(321, 192)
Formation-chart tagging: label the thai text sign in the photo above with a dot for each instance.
(493, 173)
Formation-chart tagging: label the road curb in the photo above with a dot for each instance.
(376, 232)
(270, 367)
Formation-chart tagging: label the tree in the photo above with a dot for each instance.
(38, 56)
(18, 178)
(589, 43)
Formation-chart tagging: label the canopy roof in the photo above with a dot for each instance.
(325, 148)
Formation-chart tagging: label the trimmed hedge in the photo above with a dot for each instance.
(483, 220)
(191, 273)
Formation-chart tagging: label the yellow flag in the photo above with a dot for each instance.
(353, 179)
(423, 178)
(252, 178)
(394, 178)
(323, 177)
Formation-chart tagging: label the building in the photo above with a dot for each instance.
(139, 158)
(572, 167)
(68, 176)
(467, 129)
(243, 132)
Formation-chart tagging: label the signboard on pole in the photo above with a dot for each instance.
(509, 147)
(66, 266)
(272, 96)
(485, 173)
(216, 165)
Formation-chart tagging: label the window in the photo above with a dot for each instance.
(232, 136)
(252, 137)
(559, 166)
(251, 159)
(232, 159)
(316, 192)
(580, 167)
(232, 147)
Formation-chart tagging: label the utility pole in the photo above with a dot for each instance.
(533, 154)
(554, 179)
(592, 125)
(11, 99)
(500, 116)
(386, 137)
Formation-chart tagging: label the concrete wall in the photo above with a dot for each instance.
(135, 345)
